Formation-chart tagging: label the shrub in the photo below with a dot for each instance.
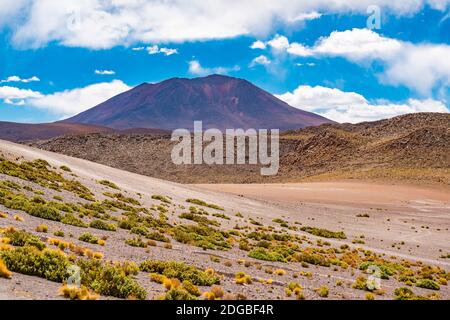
(178, 294)
(264, 254)
(312, 258)
(157, 236)
(59, 233)
(191, 288)
(404, 293)
(65, 168)
(161, 198)
(99, 224)
(49, 264)
(369, 296)
(45, 211)
(324, 233)
(180, 271)
(110, 279)
(217, 291)
(42, 228)
(428, 284)
(323, 291)
(73, 221)
(75, 293)
(109, 184)
(360, 283)
(136, 242)
(23, 238)
(280, 272)
(204, 204)
(242, 278)
(89, 238)
(4, 272)
(199, 219)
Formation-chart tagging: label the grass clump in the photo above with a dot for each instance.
(89, 238)
(136, 242)
(201, 236)
(75, 293)
(199, 219)
(48, 264)
(323, 291)
(266, 255)
(161, 198)
(21, 238)
(427, 284)
(99, 224)
(42, 228)
(110, 184)
(242, 278)
(4, 272)
(180, 271)
(324, 233)
(110, 279)
(73, 221)
(204, 204)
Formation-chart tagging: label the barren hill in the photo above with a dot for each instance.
(413, 147)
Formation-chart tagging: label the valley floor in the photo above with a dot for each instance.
(402, 229)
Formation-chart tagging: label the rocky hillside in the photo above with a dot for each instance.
(412, 147)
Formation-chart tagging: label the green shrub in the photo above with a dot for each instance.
(161, 198)
(180, 271)
(404, 293)
(110, 279)
(199, 219)
(264, 254)
(178, 294)
(89, 238)
(204, 204)
(65, 168)
(109, 184)
(49, 264)
(73, 221)
(157, 237)
(45, 212)
(428, 284)
(23, 238)
(312, 258)
(136, 242)
(324, 233)
(99, 224)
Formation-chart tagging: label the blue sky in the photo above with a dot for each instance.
(59, 58)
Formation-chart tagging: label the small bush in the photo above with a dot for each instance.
(323, 291)
(4, 272)
(75, 293)
(109, 184)
(242, 278)
(324, 233)
(428, 284)
(89, 238)
(42, 228)
(136, 242)
(204, 204)
(99, 224)
(180, 271)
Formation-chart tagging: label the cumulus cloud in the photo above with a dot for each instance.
(70, 102)
(166, 51)
(421, 67)
(105, 72)
(99, 24)
(263, 60)
(19, 79)
(13, 93)
(197, 69)
(258, 44)
(352, 107)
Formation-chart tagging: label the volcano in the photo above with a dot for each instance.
(219, 101)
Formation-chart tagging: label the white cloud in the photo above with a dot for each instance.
(105, 72)
(352, 107)
(19, 79)
(100, 24)
(421, 67)
(263, 60)
(258, 44)
(138, 48)
(70, 102)
(13, 93)
(197, 69)
(307, 16)
(166, 51)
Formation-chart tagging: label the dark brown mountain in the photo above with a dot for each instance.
(24, 131)
(413, 147)
(219, 101)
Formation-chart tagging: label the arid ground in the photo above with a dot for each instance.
(300, 241)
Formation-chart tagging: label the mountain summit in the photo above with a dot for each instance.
(219, 101)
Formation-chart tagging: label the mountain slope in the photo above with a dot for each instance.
(26, 131)
(411, 147)
(219, 101)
